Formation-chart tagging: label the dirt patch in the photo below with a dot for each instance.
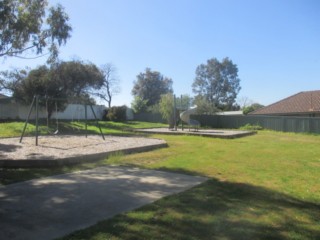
(214, 133)
(53, 148)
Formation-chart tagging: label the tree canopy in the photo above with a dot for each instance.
(69, 81)
(31, 27)
(167, 107)
(217, 83)
(139, 105)
(150, 85)
(251, 108)
(77, 78)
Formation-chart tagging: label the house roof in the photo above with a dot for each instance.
(300, 103)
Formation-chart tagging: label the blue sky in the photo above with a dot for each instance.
(274, 43)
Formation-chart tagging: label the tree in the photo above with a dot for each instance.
(68, 81)
(244, 102)
(77, 78)
(26, 28)
(110, 86)
(139, 105)
(150, 85)
(217, 82)
(166, 107)
(203, 106)
(251, 108)
(9, 79)
(184, 102)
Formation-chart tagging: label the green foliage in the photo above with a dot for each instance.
(139, 105)
(217, 82)
(185, 101)
(26, 29)
(249, 126)
(166, 106)
(65, 80)
(14, 129)
(204, 106)
(154, 108)
(9, 79)
(150, 85)
(251, 108)
(117, 114)
(77, 78)
(260, 187)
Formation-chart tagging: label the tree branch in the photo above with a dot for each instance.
(11, 53)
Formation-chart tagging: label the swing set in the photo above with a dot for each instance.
(35, 104)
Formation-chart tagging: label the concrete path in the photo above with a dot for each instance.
(52, 207)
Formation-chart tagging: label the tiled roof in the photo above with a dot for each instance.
(303, 102)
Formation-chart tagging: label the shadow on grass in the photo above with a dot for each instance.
(182, 171)
(110, 128)
(215, 210)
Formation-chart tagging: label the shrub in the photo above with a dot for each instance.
(139, 105)
(117, 114)
(104, 115)
(249, 126)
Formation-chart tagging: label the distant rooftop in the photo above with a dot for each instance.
(300, 103)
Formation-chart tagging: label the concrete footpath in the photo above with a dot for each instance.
(52, 207)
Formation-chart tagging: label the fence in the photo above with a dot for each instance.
(149, 117)
(277, 123)
(18, 111)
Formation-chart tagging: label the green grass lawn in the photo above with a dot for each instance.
(264, 186)
(14, 129)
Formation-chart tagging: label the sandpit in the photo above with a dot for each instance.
(60, 150)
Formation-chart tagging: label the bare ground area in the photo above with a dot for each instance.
(214, 133)
(53, 148)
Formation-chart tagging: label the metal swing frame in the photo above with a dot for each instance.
(35, 104)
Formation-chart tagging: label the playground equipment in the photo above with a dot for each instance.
(35, 104)
(185, 117)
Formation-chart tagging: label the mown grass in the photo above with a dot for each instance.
(14, 129)
(264, 186)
